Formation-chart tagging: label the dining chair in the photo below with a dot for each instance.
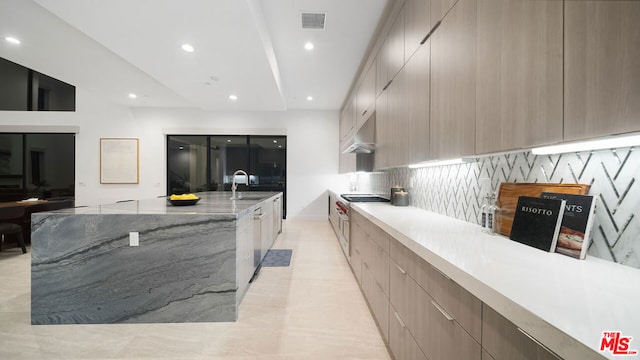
(9, 228)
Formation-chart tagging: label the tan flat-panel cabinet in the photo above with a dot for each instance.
(366, 96)
(347, 162)
(378, 302)
(398, 120)
(417, 25)
(390, 57)
(348, 119)
(417, 78)
(395, 46)
(448, 340)
(519, 74)
(392, 124)
(374, 269)
(440, 8)
(382, 80)
(453, 85)
(503, 341)
(356, 244)
(401, 342)
(383, 140)
(601, 68)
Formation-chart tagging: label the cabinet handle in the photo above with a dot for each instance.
(430, 32)
(539, 343)
(364, 113)
(446, 314)
(402, 324)
(401, 269)
(441, 273)
(386, 86)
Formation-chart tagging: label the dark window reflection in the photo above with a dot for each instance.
(36, 165)
(191, 168)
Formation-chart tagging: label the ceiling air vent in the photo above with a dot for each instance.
(313, 20)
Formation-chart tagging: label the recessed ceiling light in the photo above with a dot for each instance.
(132, 96)
(280, 146)
(233, 97)
(188, 48)
(308, 46)
(275, 141)
(12, 40)
(228, 140)
(310, 98)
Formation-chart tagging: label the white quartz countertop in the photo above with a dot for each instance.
(563, 302)
(216, 203)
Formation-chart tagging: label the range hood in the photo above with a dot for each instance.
(363, 142)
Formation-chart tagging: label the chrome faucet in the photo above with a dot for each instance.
(234, 186)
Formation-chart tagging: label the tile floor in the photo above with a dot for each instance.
(312, 309)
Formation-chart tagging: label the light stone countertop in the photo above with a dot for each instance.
(554, 298)
(216, 203)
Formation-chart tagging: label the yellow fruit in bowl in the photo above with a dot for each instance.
(183, 197)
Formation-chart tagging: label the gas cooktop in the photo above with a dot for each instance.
(363, 198)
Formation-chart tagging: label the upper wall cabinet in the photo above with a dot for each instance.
(440, 8)
(417, 78)
(348, 119)
(601, 69)
(453, 84)
(390, 57)
(366, 96)
(519, 74)
(417, 24)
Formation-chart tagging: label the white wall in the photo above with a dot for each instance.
(312, 140)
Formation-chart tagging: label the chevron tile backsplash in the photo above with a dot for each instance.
(456, 190)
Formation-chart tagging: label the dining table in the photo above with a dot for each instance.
(28, 204)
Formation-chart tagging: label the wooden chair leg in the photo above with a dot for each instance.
(21, 242)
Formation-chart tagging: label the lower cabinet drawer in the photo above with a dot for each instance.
(435, 331)
(401, 342)
(377, 300)
(503, 341)
(356, 264)
(448, 340)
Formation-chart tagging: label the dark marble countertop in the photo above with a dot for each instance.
(217, 203)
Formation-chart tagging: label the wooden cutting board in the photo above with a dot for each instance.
(509, 193)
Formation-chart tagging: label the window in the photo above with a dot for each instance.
(36, 165)
(206, 163)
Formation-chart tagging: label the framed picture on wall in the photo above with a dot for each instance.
(119, 161)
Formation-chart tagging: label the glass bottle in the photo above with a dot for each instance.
(493, 214)
(484, 212)
(497, 215)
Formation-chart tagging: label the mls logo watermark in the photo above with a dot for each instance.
(617, 344)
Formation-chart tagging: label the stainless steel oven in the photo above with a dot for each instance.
(342, 208)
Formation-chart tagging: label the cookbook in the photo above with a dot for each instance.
(537, 222)
(574, 236)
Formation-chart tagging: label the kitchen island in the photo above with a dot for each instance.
(147, 261)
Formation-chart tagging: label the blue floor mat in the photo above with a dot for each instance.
(277, 257)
